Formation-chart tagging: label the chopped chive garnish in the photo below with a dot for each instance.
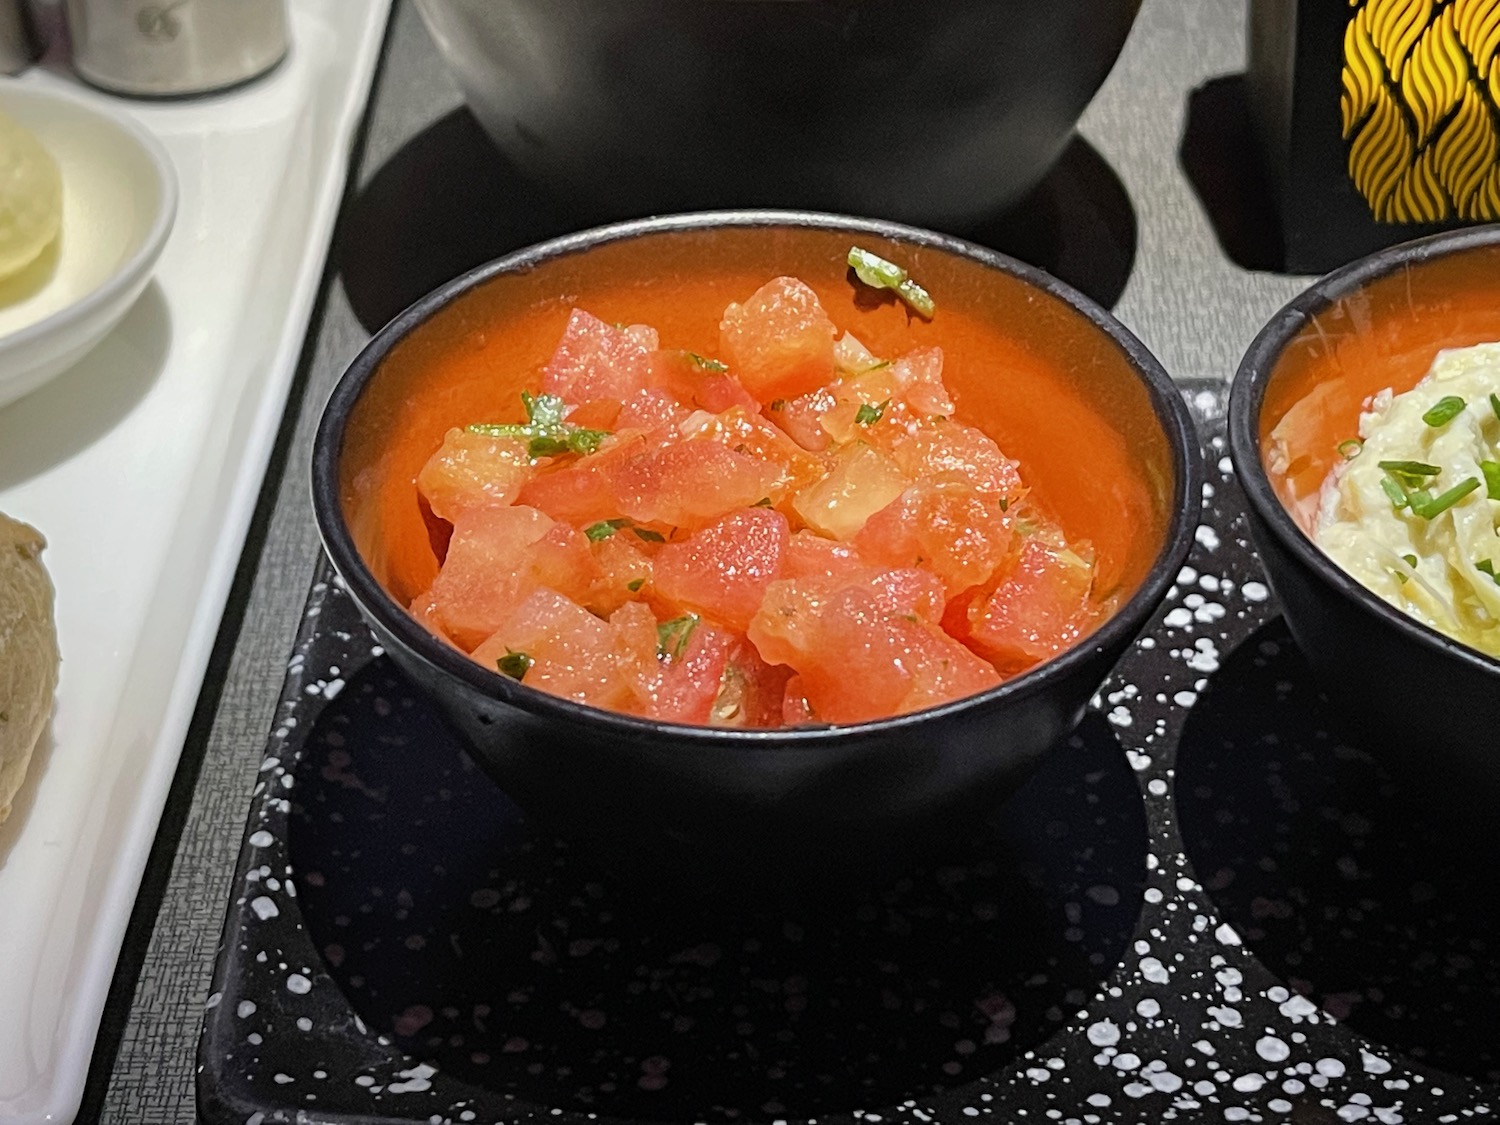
(763, 502)
(878, 273)
(1428, 506)
(1004, 504)
(868, 415)
(1396, 493)
(778, 404)
(1485, 566)
(1444, 410)
(635, 584)
(1350, 449)
(1495, 403)
(545, 431)
(648, 535)
(514, 664)
(1410, 468)
(1410, 560)
(604, 529)
(1491, 471)
(707, 364)
(672, 636)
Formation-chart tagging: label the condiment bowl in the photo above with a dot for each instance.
(1050, 375)
(119, 202)
(1430, 704)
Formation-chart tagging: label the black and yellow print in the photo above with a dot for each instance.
(1421, 108)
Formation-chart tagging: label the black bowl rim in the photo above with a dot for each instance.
(1247, 397)
(1168, 406)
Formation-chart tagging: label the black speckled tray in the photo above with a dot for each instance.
(1210, 906)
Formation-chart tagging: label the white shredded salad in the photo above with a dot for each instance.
(1405, 533)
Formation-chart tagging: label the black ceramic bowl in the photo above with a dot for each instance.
(939, 113)
(780, 807)
(1430, 704)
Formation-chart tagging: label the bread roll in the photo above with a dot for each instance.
(28, 652)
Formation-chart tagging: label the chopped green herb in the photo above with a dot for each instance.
(1004, 504)
(778, 404)
(1495, 403)
(1351, 449)
(545, 431)
(1410, 560)
(672, 636)
(1491, 471)
(707, 364)
(1428, 506)
(1444, 410)
(514, 664)
(604, 529)
(763, 502)
(868, 415)
(1396, 493)
(635, 584)
(1410, 468)
(878, 273)
(1485, 566)
(4, 716)
(648, 535)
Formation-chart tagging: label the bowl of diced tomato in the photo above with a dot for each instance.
(757, 546)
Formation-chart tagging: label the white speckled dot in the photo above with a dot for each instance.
(1273, 1049)
(299, 984)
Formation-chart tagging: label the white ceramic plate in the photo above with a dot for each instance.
(141, 465)
(119, 198)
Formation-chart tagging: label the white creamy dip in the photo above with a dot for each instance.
(1433, 567)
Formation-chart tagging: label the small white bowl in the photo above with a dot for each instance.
(119, 200)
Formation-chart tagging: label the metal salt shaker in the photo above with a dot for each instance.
(165, 48)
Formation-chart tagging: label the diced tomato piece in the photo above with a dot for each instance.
(498, 556)
(857, 660)
(722, 571)
(861, 482)
(470, 470)
(750, 434)
(752, 691)
(779, 343)
(688, 483)
(809, 555)
(1038, 610)
(572, 652)
(795, 711)
(919, 377)
(595, 360)
(650, 409)
(787, 624)
(943, 449)
(678, 686)
(801, 418)
(962, 536)
(624, 572)
(699, 382)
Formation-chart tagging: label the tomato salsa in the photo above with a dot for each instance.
(788, 530)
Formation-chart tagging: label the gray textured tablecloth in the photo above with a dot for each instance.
(1193, 307)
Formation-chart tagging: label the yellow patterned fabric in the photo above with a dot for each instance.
(1421, 108)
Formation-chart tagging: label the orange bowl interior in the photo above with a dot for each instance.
(1049, 386)
(1383, 335)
